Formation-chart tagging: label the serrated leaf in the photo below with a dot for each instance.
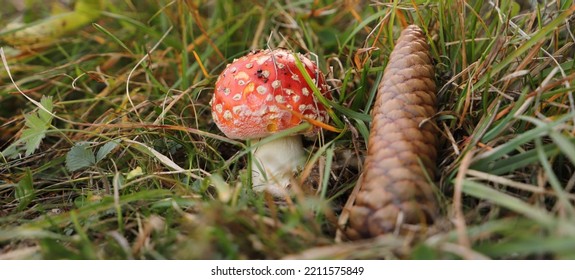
(33, 121)
(37, 123)
(34, 133)
(80, 156)
(105, 150)
(9, 152)
(46, 117)
(24, 192)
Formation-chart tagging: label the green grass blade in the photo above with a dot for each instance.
(513, 144)
(485, 192)
(526, 46)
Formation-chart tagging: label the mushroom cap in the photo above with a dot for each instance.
(257, 95)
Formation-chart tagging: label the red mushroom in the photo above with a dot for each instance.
(263, 93)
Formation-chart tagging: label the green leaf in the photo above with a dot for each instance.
(134, 173)
(33, 121)
(105, 150)
(24, 192)
(9, 152)
(80, 156)
(37, 123)
(46, 115)
(34, 133)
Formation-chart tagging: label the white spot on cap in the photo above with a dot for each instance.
(296, 98)
(249, 65)
(310, 107)
(263, 59)
(233, 69)
(274, 109)
(228, 115)
(219, 108)
(295, 77)
(227, 91)
(237, 97)
(269, 98)
(289, 91)
(280, 99)
(262, 89)
(305, 92)
(301, 107)
(266, 74)
(276, 84)
(242, 76)
(281, 66)
(237, 109)
(241, 82)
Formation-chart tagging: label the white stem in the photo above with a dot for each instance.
(275, 162)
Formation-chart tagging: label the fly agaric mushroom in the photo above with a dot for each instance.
(261, 94)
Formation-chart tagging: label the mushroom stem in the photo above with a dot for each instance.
(275, 162)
